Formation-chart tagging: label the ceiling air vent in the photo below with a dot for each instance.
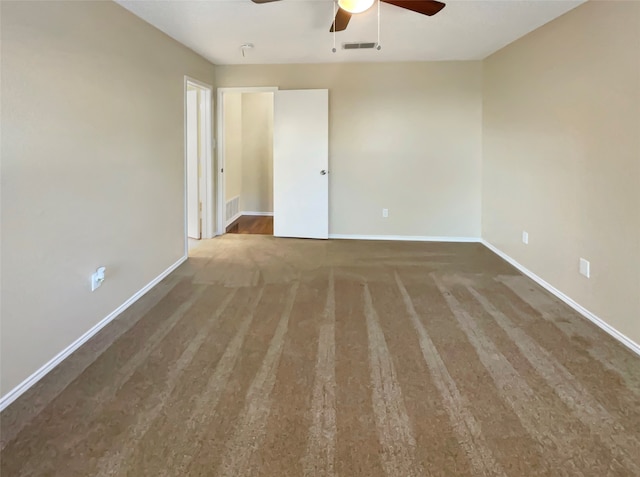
(358, 46)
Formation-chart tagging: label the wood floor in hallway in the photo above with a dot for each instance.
(251, 224)
(262, 356)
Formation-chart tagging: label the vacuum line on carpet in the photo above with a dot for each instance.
(458, 409)
(320, 454)
(110, 464)
(253, 418)
(125, 372)
(207, 401)
(561, 441)
(394, 429)
(590, 412)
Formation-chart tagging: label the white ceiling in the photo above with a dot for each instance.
(297, 31)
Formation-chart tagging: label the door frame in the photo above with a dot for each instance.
(221, 202)
(206, 161)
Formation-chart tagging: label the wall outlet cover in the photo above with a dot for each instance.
(585, 268)
(525, 237)
(97, 278)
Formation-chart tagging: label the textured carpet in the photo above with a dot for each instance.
(278, 357)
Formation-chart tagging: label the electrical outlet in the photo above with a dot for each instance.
(525, 237)
(385, 213)
(585, 268)
(97, 278)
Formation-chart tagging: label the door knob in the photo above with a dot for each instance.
(323, 172)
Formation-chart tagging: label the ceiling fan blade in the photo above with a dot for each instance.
(341, 21)
(426, 7)
(264, 1)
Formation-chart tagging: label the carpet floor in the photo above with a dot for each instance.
(278, 357)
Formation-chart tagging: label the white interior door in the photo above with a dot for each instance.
(193, 194)
(300, 163)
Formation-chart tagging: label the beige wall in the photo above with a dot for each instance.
(257, 152)
(403, 136)
(232, 144)
(92, 169)
(561, 136)
(248, 144)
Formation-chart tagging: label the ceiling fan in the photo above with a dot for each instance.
(349, 7)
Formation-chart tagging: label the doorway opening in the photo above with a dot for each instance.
(199, 209)
(245, 155)
(294, 178)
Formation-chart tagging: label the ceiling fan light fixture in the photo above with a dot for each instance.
(355, 6)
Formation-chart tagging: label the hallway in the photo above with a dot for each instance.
(251, 224)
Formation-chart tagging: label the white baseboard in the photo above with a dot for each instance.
(244, 212)
(625, 340)
(233, 219)
(405, 238)
(253, 212)
(16, 392)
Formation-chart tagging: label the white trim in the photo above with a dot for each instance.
(233, 219)
(21, 388)
(625, 340)
(208, 229)
(220, 222)
(405, 238)
(208, 225)
(253, 212)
